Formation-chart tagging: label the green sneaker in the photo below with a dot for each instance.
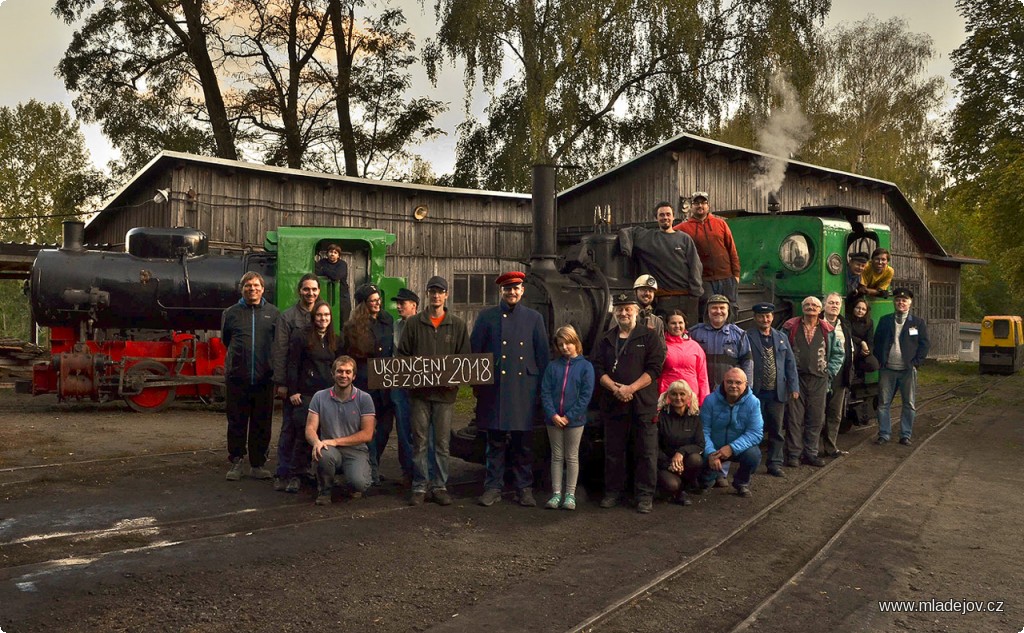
(554, 501)
(569, 503)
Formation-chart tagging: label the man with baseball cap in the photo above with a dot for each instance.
(719, 261)
(516, 337)
(627, 363)
(645, 287)
(901, 345)
(671, 257)
(725, 344)
(433, 332)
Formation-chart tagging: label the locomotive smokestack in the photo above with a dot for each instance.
(774, 206)
(543, 255)
(74, 235)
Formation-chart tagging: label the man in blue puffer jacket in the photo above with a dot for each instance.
(733, 428)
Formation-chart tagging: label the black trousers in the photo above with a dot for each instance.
(625, 435)
(509, 450)
(249, 410)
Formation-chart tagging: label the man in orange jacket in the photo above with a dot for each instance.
(717, 251)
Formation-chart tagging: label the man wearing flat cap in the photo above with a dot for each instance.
(433, 332)
(901, 345)
(855, 268)
(627, 362)
(717, 251)
(775, 380)
(671, 257)
(516, 336)
(645, 287)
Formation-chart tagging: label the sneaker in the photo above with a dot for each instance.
(554, 502)
(259, 472)
(526, 498)
(489, 497)
(610, 500)
(880, 441)
(775, 471)
(417, 497)
(441, 497)
(905, 441)
(792, 462)
(743, 491)
(280, 484)
(323, 498)
(235, 472)
(293, 486)
(569, 503)
(645, 505)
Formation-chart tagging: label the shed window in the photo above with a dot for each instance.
(966, 345)
(474, 289)
(942, 301)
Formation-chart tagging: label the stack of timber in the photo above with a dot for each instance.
(17, 358)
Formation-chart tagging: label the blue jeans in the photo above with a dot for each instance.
(436, 417)
(889, 380)
(352, 461)
(403, 428)
(748, 460)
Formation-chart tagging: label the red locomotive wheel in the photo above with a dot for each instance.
(151, 399)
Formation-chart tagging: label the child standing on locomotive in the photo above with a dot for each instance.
(335, 269)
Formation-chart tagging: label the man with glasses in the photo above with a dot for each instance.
(516, 337)
(717, 251)
(433, 332)
(901, 345)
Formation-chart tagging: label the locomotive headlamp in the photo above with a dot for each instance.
(795, 252)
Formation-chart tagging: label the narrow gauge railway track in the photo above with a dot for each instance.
(719, 569)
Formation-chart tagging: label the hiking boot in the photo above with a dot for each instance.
(235, 472)
(775, 471)
(743, 491)
(645, 505)
(417, 497)
(323, 498)
(792, 462)
(610, 501)
(441, 497)
(489, 497)
(526, 498)
(259, 472)
(293, 486)
(554, 501)
(812, 460)
(280, 484)
(569, 503)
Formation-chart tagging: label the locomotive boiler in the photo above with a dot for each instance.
(143, 325)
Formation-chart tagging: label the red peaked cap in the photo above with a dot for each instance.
(510, 278)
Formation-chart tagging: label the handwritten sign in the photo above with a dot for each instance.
(417, 372)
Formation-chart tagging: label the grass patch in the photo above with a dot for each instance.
(939, 373)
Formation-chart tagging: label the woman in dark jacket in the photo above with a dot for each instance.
(311, 351)
(863, 333)
(370, 333)
(680, 441)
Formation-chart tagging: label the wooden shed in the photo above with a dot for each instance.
(466, 236)
(674, 169)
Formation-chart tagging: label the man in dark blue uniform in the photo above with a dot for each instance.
(776, 381)
(516, 336)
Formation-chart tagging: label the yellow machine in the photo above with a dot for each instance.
(1002, 345)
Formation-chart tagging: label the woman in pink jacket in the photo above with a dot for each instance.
(685, 359)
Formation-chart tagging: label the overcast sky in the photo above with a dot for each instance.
(32, 41)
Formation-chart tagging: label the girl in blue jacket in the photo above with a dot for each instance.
(565, 392)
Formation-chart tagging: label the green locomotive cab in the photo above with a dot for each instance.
(786, 257)
(299, 247)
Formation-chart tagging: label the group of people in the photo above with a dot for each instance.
(678, 404)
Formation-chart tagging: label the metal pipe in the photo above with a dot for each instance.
(544, 251)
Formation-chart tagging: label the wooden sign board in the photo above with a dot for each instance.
(417, 372)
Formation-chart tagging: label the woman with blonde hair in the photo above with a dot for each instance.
(680, 441)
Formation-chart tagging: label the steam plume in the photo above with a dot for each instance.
(786, 130)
